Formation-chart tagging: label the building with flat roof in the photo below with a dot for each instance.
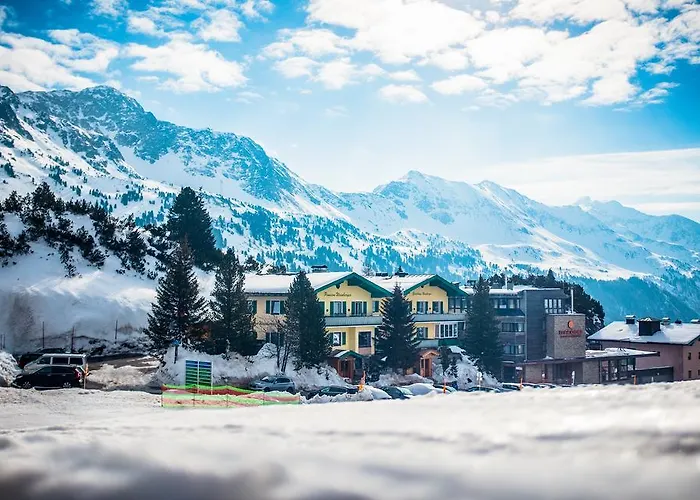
(677, 343)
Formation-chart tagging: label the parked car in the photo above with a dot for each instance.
(484, 389)
(334, 390)
(397, 392)
(28, 357)
(445, 388)
(420, 389)
(51, 376)
(59, 359)
(276, 383)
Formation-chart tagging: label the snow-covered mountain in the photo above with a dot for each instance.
(101, 145)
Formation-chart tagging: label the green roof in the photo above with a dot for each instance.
(355, 279)
(440, 282)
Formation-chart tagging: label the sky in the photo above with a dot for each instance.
(559, 99)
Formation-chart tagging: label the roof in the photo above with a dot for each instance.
(410, 282)
(340, 354)
(619, 331)
(516, 290)
(278, 284)
(618, 352)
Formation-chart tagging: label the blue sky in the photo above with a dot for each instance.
(354, 93)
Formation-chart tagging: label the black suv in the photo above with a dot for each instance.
(51, 376)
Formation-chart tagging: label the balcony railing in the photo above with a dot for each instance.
(353, 320)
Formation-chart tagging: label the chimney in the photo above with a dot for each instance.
(322, 268)
(630, 319)
(678, 322)
(381, 275)
(665, 321)
(400, 272)
(648, 327)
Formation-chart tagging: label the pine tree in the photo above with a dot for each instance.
(232, 319)
(136, 251)
(188, 219)
(396, 336)
(179, 311)
(304, 325)
(251, 265)
(481, 341)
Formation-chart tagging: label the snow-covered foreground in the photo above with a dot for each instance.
(636, 442)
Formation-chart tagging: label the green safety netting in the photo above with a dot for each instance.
(222, 397)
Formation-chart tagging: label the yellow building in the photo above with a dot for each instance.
(351, 305)
(351, 309)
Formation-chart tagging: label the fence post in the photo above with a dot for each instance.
(43, 344)
(116, 327)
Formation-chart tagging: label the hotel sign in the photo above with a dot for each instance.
(571, 330)
(337, 294)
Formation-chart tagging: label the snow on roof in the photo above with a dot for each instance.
(615, 352)
(619, 331)
(456, 349)
(279, 283)
(506, 291)
(405, 282)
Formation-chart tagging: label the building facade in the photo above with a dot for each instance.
(677, 343)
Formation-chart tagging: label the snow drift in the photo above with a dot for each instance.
(8, 369)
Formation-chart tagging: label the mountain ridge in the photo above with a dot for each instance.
(103, 146)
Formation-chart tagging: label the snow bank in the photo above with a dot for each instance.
(559, 444)
(8, 369)
(124, 377)
(467, 375)
(240, 369)
(364, 395)
(388, 379)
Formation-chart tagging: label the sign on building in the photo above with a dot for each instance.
(198, 373)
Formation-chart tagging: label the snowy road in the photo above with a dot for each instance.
(636, 442)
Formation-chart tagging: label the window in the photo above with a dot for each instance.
(322, 307)
(253, 306)
(44, 361)
(422, 332)
(364, 340)
(553, 306)
(690, 356)
(513, 327)
(422, 307)
(75, 361)
(690, 374)
(457, 304)
(274, 307)
(337, 338)
(274, 338)
(521, 349)
(437, 307)
(375, 306)
(60, 361)
(338, 308)
(358, 308)
(447, 330)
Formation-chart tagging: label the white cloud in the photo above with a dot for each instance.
(254, 9)
(405, 76)
(192, 67)
(397, 31)
(309, 42)
(449, 60)
(337, 111)
(459, 84)
(220, 25)
(143, 24)
(295, 67)
(402, 94)
(28, 63)
(248, 97)
(581, 11)
(109, 8)
(333, 75)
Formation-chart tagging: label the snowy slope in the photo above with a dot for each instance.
(101, 145)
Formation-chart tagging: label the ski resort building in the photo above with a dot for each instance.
(677, 345)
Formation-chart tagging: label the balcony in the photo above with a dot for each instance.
(353, 320)
(431, 318)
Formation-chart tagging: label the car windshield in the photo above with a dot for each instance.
(405, 391)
